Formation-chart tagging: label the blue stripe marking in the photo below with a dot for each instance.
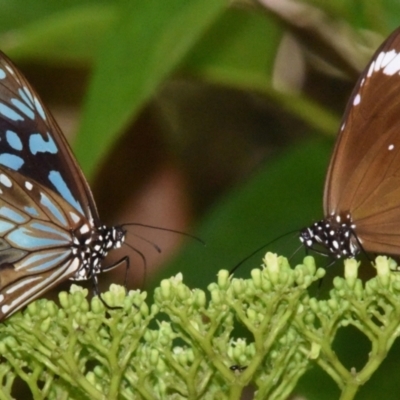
(27, 239)
(12, 215)
(9, 113)
(32, 211)
(44, 261)
(39, 109)
(5, 226)
(28, 94)
(57, 180)
(52, 207)
(50, 229)
(37, 144)
(11, 161)
(13, 140)
(23, 108)
(24, 97)
(2, 73)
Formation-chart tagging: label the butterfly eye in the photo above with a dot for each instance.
(49, 227)
(361, 197)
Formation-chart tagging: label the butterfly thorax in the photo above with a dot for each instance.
(335, 233)
(91, 246)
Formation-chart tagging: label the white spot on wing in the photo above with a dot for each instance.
(371, 69)
(393, 66)
(9, 69)
(357, 100)
(391, 147)
(5, 180)
(378, 61)
(84, 229)
(388, 56)
(5, 308)
(28, 185)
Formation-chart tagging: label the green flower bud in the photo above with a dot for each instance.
(182, 292)
(154, 357)
(96, 305)
(351, 271)
(199, 298)
(161, 367)
(91, 377)
(272, 267)
(45, 325)
(154, 309)
(314, 351)
(216, 296)
(370, 287)
(257, 277)
(333, 304)
(338, 282)
(99, 371)
(321, 272)
(223, 279)
(3, 348)
(238, 286)
(251, 315)
(165, 289)
(309, 262)
(383, 270)
(314, 305)
(64, 299)
(144, 309)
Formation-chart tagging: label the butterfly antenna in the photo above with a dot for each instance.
(164, 229)
(296, 251)
(259, 249)
(152, 244)
(142, 256)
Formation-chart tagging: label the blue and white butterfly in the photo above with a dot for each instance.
(50, 229)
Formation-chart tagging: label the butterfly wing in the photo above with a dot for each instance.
(36, 237)
(364, 173)
(32, 143)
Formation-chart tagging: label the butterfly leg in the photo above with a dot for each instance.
(124, 260)
(96, 292)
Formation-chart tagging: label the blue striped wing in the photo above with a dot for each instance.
(32, 143)
(36, 236)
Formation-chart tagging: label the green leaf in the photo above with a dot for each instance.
(148, 43)
(71, 35)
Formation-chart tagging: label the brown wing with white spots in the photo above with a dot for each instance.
(364, 173)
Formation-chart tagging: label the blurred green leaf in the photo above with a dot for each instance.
(149, 42)
(239, 40)
(71, 35)
(18, 13)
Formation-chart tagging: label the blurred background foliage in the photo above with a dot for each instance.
(208, 116)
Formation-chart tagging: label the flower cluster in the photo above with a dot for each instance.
(186, 344)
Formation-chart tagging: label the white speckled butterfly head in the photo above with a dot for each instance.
(362, 187)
